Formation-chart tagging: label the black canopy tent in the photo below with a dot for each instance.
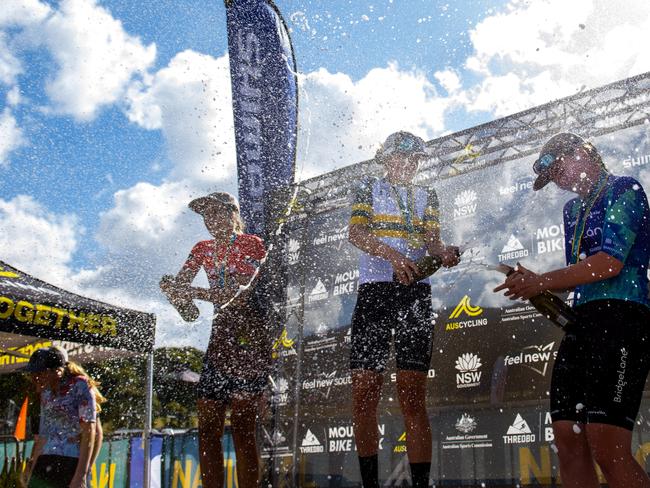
(31, 309)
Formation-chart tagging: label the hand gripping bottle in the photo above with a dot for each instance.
(548, 304)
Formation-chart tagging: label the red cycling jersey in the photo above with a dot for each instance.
(241, 257)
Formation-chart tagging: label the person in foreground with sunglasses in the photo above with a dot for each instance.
(604, 358)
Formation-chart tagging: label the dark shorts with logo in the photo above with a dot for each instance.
(220, 387)
(382, 307)
(602, 364)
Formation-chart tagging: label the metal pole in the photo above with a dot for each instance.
(298, 370)
(146, 432)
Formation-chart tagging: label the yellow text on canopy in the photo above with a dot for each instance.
(58, 318)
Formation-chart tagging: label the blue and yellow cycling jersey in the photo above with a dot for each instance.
(396, 215)
(617, 224)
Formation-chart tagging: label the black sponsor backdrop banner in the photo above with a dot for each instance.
(492, 358)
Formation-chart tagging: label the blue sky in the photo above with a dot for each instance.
(72, 166)
(114, 113)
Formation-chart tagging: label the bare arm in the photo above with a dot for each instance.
(97, 444)
(526, 284)
(85, 453)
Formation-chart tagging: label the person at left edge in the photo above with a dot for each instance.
(394, 223)
(238, 359)
(67, 422)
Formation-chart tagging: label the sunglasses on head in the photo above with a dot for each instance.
(544, 163)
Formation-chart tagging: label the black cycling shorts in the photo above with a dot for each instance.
(53, 471)
(382, 307)
(221, 387)
(602, 364)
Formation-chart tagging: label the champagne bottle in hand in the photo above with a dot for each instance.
(180, 298)
(427, 266)
(548, 304)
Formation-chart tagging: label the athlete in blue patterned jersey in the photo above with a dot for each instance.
(394, 223)
(603, 361)
(617, 225)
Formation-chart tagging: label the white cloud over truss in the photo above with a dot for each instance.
(534, 52)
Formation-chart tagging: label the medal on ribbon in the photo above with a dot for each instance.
(414, 240)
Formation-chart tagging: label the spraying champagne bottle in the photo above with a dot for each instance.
(548, 304)
(428, 265)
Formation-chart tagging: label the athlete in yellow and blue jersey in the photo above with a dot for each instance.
(394, 223)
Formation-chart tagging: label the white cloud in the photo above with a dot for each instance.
(22, 12)
(449, 80)
(96, 59)
(11, 136)
(149, 230)
(36, 240)
(43, 244)
(10, 66)
(343, 121)
(145, 215)
(534, 52)
(13, 96)
(190, 101)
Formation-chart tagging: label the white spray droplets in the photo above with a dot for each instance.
(577, 429)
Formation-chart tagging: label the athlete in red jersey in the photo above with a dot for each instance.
(237, 363)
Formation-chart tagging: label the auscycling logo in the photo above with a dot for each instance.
(283, 345)
(401, 443)
(464, 307)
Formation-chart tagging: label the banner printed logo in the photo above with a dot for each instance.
(465, 307)
(519, 432)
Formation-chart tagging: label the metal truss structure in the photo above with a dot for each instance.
(591, 113)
